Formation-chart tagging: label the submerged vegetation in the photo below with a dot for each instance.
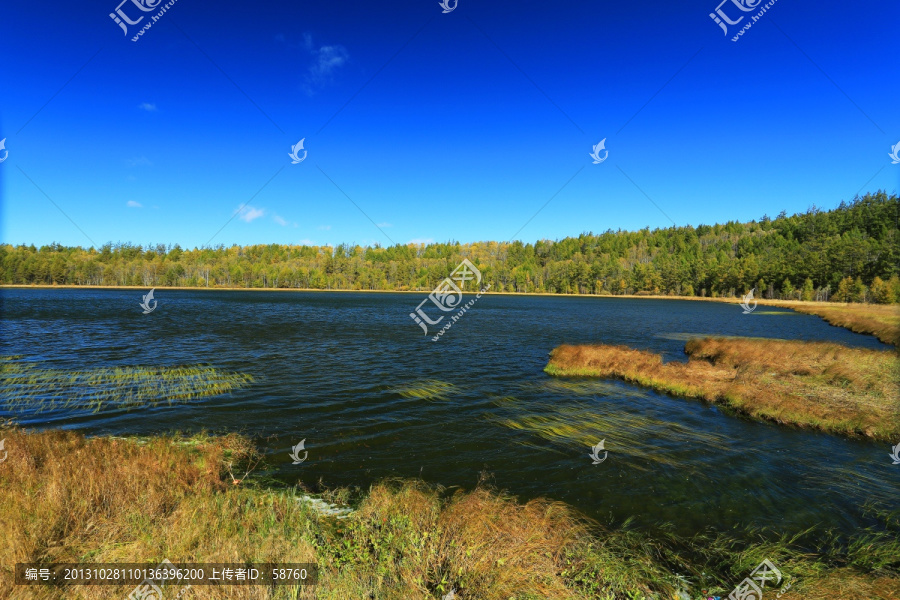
(66, 498)
(848, 254)
(24, 386)
(821, 385)
(427, 389)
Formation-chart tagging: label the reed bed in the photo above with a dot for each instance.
(25, 386)
(826, 386)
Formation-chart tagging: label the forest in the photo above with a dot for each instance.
(848, 254)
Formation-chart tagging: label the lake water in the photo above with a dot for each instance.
(354, 376)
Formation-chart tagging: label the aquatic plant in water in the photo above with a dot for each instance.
(426, 389)
(25, 386)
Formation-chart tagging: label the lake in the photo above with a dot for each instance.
(354, 376)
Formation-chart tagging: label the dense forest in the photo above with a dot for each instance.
(851, 253)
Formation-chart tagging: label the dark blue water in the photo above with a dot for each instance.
(354, 376)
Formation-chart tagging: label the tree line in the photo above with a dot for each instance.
(849, 253)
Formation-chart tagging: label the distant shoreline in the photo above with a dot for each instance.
(423, 291)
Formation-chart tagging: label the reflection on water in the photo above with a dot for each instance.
(352, 374)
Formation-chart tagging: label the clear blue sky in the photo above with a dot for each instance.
(456, 126)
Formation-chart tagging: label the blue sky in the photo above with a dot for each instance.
(425, 126)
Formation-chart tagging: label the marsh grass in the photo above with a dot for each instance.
(820, 385)
(66, 498)
(25, 386)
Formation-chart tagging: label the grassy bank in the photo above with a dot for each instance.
(821, 385)
(64, 498)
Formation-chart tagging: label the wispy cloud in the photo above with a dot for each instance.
(419, 241)
(134, 204)
(306, 242)
(148, 106)
(324, 227)
(140, 161)
(384, 225)
(282, 221)
(250, 213)
(325, 61)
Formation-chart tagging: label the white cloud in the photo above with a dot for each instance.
(324, 227)
(148, 106)
(134, 204)
(140, 161)
(384, 225)
(305, 242)
(326, 60)
(279, 220)
(249, 213)
(418, 241)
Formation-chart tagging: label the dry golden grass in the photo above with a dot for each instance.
(821, 385)
(844, 584)
(65, 498)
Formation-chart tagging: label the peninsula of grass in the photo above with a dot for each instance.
(819, 385)
(67, 498)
